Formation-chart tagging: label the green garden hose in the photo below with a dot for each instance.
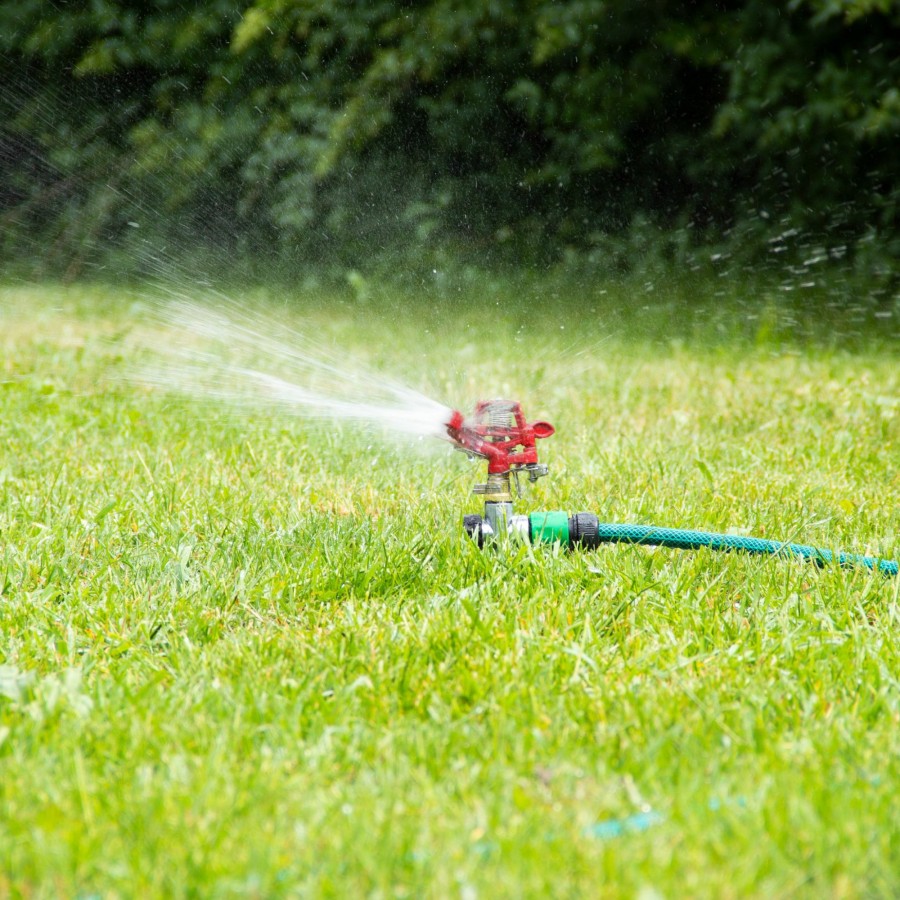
(584, 529)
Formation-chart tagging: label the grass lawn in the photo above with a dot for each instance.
(254, 655)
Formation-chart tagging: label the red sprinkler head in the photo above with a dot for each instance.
(495, 431)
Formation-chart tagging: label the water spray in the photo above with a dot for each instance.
(498, 432)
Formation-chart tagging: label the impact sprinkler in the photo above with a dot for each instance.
(498, 432)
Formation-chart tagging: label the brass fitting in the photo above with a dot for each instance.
(497, 489)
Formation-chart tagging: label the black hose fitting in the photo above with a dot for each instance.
(584, 530)
(472, 524)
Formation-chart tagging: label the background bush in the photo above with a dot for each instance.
(347, 130)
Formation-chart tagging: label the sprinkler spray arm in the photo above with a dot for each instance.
(494, 432)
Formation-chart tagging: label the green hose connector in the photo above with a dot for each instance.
(549, 527)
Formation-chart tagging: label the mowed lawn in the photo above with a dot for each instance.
(247, 654)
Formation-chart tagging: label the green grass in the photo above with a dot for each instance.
(254, 656)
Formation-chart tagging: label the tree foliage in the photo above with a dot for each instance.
(357, 125)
